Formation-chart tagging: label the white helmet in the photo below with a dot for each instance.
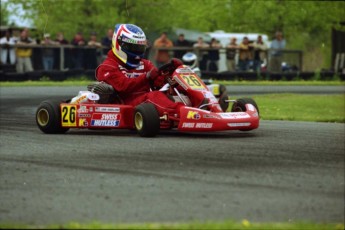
(129, 44)
(190, 59)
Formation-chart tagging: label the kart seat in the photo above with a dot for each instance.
(106, 92)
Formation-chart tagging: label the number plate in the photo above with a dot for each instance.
(192, 81)
(68, 115)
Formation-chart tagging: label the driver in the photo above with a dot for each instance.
(132, 76)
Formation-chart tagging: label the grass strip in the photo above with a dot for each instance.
(244, 224)
(301, 107)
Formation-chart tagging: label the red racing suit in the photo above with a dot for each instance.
(132, 85)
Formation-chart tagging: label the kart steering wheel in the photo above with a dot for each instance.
(167, 68)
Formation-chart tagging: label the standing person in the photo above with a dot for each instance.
(213, 55)
(245, 54)
(24, 54)
(183, 43)
(78, 52)
(260, 49)
(162, 56)
(66, 57)
(8, 54)
(131, 75)
(231, 51)
(203, 55)
(48, 52)
(276, 54)
(106, 43)
(93, 54)
(60, 39)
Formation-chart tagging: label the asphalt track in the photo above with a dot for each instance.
(283, 171)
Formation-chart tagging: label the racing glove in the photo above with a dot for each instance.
(152, 74)
(176, 63)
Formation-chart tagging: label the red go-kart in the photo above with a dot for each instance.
(101, 108)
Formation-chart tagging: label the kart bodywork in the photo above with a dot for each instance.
(202, 111)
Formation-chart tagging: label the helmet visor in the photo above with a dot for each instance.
(137, 49)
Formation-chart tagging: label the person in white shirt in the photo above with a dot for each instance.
(8, 54)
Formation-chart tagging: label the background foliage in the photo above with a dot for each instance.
(306, 25)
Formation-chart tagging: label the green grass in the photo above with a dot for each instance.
(290, 107)
(280, 83)
(244, 224)
(301, 107)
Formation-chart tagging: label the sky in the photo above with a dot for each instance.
(16, 18)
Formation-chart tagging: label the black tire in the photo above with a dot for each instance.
(146, 120)
(240, 105)
(222, 89)
(48, 117)
(223, 104)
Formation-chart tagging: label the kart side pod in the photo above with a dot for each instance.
(197, 120)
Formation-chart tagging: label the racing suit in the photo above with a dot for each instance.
(132, 85)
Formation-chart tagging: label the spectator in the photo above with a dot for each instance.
(48, 52)
(231, 51)
(181, 42)
(24, 54)
(162, 56)
(93, 41)
(260, 49)
(213, 55)
(93, 55)
(245, 54)
(202, 54)
(8, 54)
(106, 42)
(276, 54)
(60, 39)
(78, 53)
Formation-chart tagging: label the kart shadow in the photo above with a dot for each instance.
(165, 133)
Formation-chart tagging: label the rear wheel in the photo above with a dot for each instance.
(48, 117)
(146, 120)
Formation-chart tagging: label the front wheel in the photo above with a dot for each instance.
(48, 117)
(146, 120)
(240, 105)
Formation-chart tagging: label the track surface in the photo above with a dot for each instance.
(284, 171)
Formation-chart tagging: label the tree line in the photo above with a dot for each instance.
(306, 25)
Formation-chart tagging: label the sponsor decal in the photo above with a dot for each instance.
(212, 116)
(83, 109)
(109, 120)
(238, 124)
(193, 115)
(83, 122)
(188, 125)
(84, 115)
(204, 125)
(197, 125)
(107, 109)
(80, 99)
(234, 115)
(91, 109)
(132, 75)
(184, 69)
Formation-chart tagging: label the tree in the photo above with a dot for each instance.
(306, 24)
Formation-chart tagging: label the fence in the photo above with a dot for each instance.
(81, 60)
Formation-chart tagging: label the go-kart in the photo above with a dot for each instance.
(101, 108)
